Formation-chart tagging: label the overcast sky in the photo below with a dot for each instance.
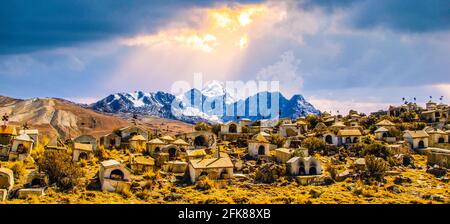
(342, 54)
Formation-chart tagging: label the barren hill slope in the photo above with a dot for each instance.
(54, 116)
(57, 116)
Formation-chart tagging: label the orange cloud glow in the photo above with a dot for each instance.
(225, 27)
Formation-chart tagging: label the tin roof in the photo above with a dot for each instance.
(223, 162)
(156, 141)
(196, 152)
(382, 129)
(110, 162)
(167, 138)
(180, 142)
(349, 132)
(260, 138)
(82, 146)
(417, 134)
(385, 123)
(138, 138)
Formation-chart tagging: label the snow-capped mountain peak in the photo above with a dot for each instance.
(161, 104)
(216, 88)
(213, 89)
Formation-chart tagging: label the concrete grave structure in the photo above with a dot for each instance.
(258, 146)
(55, 144)
(330, 138)
(214, 168)
(127, 133)
(418, 140)
(3, 194)
(199, 139)
(28, 192)
(385, 124)
(33, 133)
(114, 176)
(175, 167)
(155, 146)
(245, 122)
(167, 139)
(349, 136)
(298, 166)
(290, 130)
(440, 157)
(81, 151)
(87, 139)
(110, 141)
(231, 127)
(21, 147)
(140, 164)
(437, 136)
(7, 134)
(283, 154)
(195, 154)
(138, 143)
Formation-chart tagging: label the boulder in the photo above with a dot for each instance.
(315, 193)
(437, 171)
(437, 197)
(238, 165)
(343, 175)
(400, 180)
(394, 189)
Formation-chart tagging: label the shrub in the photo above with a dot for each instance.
(202, 126)
(375, 168)
(277, 140)
(299, 153)
(269, 172)
(408, 160)
(150, 175)
(38, 152)
(378, 150)
(245, 129)
(204, 183)
(394, 132)
(313, 120)
(369, 139)
(333, 172)
(314, 145)
(357, 149)
(126, 193)
(18, 169)
(408, 116)
(369, 122)
(215, 129)
(102, 154)
(60, 169)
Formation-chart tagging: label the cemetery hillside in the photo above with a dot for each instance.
(55, 151)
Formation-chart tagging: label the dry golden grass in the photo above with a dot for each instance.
(159, 189)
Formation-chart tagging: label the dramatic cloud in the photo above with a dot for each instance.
(286, 71)
(402, 15)
(340, 54)
(34, 25)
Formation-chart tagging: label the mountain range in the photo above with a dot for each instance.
(59, 117)
(211, 104)
(55, 116)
